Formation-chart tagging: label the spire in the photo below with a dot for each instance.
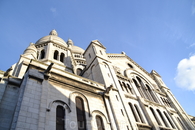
(53, 32)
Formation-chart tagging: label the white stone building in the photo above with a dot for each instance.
(56, 85)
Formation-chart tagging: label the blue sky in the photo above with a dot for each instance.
(157, 34)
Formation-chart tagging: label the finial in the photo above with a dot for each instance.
(53, 32)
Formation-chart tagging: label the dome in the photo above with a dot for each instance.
(52, 37)
(76, 49)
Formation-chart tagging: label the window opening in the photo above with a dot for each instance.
(60, 114)
(134, 114)
(169, 120)
(80, 114)
(99, 122)
(62, 57)
(42, 54)
(153, 112)
(55, 55)
(161, 116)
(139, 114)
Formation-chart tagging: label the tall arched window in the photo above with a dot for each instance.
(55, 56)
(42, 54)
(62, 57)
(162, 118)
(80, 114)
(134, 113)
(154, 114)
(121, 85)
(60, 115)
(172, 125)
(139, 113)
(99, 122)
(181, 123)
(138, 87)
(142, 87)
(130, 89)
(125, 87)
(151, 96)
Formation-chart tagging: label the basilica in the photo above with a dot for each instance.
(56, 85)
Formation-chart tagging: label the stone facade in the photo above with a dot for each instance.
(92, 89)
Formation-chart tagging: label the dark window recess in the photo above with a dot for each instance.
(80, 114)
(62, 57)
(99, 122)
(42, 54)
(55, 56)
(60, 114)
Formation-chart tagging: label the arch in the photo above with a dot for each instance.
(62, 57)
(99, 123)
(72, 97)
(97, 112)
(155, 116)
(42, 54)
(55, 56)
(65, 105)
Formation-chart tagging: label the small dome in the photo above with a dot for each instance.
(70, 42)
(52, 37)
(53, 32)
(76, 49)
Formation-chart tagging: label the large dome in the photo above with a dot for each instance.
(52, 37)
(76, 49)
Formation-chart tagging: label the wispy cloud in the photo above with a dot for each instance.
(53, 10)
(185, 77)
(192, 45)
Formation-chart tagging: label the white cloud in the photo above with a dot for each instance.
(185, 77)
(53, 10)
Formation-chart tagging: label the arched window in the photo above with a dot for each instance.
(62, 57)
(121, 85)
(125, 87)
(42, 54)
(172, 125)
(99, 122)
(154, 114)
(151, 96)
(80, 114)
(134, 113)
(60, 115)
(139, 114)
(138, 87)
(181, 123)
(130, 89)
(55, 56)
(142, 88)
(162, 118)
